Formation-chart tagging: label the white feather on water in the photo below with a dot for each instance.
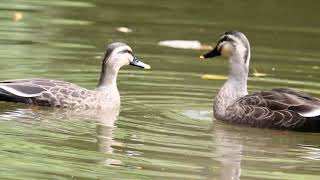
(184, 44)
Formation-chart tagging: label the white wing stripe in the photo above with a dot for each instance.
(313, 113)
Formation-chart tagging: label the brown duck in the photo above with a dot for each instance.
(45, 92)
(277, 108)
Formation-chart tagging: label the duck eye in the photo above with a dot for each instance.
(127, 51)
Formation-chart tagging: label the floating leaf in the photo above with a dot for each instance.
(213, 77)
(258, 74)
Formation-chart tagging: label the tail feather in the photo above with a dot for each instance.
(312, 124)
(9, 97)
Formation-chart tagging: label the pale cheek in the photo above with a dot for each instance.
(227, 50)
(125, 61)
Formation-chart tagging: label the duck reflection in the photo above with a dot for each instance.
(57, 117)
(104, 128)
(228, 151)
(253, 150)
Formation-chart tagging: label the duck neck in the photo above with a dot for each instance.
(234, 88)
(108, 76)
(238, 77)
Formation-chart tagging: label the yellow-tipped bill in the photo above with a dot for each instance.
(138, 63)
(147, 66)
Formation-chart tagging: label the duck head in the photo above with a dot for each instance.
(119, 54)
(233, 45)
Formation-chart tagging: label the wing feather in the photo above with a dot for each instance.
(23, 90)
(32, 87)
(278, 108)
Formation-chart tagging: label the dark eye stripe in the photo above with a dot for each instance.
(126, 51)
(226, 38)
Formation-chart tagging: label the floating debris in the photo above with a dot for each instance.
(98, 57)
(185, 44)
(17, 16)
(197, 115)
(315, 67)
(258, 74)
(221, 77)
(124, 30)
(71, 22)
(213, 77)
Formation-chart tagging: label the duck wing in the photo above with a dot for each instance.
(296, 93)
(31, 90)
(296, 101)
(278, 108)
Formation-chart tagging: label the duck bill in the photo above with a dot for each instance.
(138, 63)
(215, 52)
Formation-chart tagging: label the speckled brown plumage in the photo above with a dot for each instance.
(56, 93)
(279, 108)
(45, 92)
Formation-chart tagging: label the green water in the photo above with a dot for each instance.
(165, 128)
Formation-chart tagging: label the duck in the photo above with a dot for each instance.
(278, 108)
(58, 93)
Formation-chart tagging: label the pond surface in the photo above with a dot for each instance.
(165, 128)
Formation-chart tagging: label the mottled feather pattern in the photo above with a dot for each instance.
(62, 94)
(279, 108)
(271, 109)
(45, 92)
